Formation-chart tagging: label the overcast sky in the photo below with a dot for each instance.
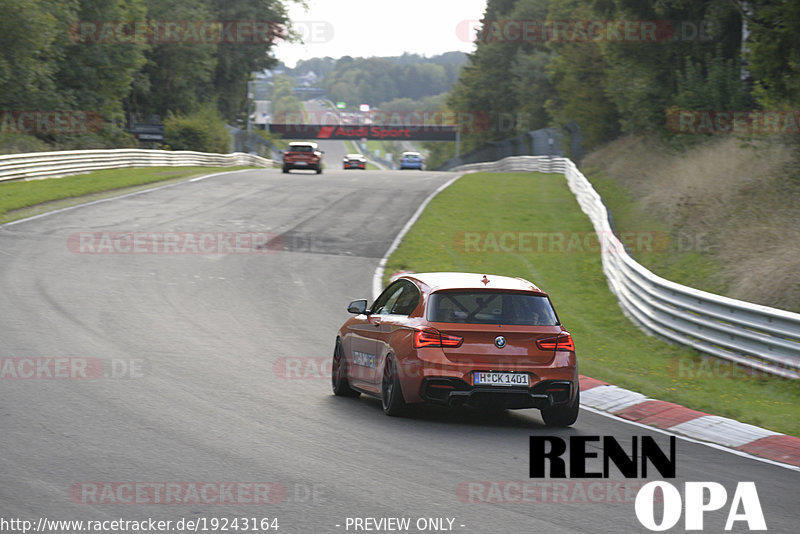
(363, 28)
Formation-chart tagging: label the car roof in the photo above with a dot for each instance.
(411, 154)
(303, 143)
(451, 280)
(354, 156)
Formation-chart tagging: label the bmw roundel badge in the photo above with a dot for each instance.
(500, 342)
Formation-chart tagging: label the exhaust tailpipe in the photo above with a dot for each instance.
(455, 402)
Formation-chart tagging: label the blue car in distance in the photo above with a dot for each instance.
(411, 160)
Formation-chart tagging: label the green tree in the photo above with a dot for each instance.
(202, 130)
(375, 81)
(714, 84)
(285, 103)
(33, 34)
(773, 50)
(235, 62)
(321, 66)
(642, 78)
(177, 76)
(501, 77)
(579, 74)
(97, 77)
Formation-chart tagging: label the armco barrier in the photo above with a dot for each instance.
(759, 337)
(50, 164)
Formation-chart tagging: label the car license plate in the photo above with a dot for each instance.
(500, 379)
(301, 163)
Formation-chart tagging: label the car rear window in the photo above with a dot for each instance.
(301, 148)
(491, 307)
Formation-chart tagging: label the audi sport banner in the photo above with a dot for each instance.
(399, 133)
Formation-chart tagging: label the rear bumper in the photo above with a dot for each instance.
(296, 165)
(455, 392)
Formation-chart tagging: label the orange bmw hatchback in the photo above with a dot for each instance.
(487, 341)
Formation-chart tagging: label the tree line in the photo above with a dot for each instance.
(131, 59)
(621, 66)
(377, 80)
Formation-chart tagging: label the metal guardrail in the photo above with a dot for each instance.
(759, 337)
(51, 164)
(542, 142)
(362, 148)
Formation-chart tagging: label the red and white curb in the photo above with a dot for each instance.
(683, 421)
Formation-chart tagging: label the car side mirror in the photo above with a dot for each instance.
(358, 307)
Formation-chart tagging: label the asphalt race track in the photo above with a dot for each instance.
(211, 339)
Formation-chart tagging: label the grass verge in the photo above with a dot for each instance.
(674, 254)
(20, 199)
(500, 209)
(729, 207)
(373, 145)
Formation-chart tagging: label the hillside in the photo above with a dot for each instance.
(377, 80)
(725, 214)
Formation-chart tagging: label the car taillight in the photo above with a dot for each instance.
(560, 342)
(430, 337)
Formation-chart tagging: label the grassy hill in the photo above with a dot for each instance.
(729, 209)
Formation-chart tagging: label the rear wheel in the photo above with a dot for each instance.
(341, 386)
(563, 415)
(285, 170)
(319, 168)
(391, 394)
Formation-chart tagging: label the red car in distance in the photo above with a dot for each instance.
(355, 161)
(487, 341)
(302, 155)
